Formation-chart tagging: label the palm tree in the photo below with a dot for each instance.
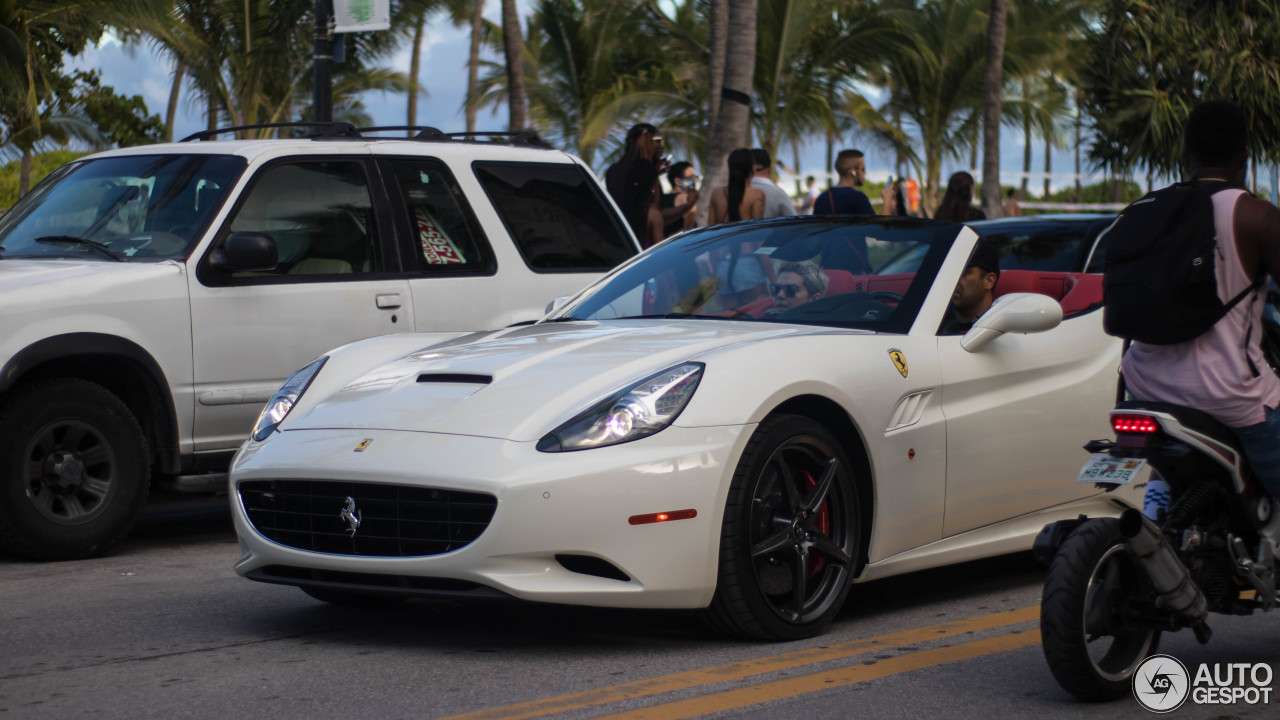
(252, 63)
(514, 54)
(807, 52)
(472, 13)
(717, 45)
(35, 36)
(940, 86)
(992, 89)
(589, 72)
(732, 123)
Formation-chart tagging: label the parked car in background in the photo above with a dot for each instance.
(669, 440)
(1059, 243)
(153, 298)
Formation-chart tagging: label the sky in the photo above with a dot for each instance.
(139, 70)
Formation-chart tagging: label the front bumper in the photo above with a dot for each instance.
(575, 504)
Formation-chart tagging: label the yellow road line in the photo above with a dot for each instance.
(747, 668)
(779, 689)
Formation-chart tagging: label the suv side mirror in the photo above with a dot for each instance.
(246, 252)
(1013, 313)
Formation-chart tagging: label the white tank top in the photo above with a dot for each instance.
(1223, 372)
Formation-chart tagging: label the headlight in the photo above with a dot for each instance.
(286, 397)
(636, 412)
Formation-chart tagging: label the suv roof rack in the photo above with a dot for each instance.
(329, 129)
(334, 130)
(426, 132)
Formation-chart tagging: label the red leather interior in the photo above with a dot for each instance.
(1076, 292)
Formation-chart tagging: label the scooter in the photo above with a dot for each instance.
(1204, 543)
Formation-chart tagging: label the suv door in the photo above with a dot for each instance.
(548, 225)
(451, 266)
(338, 280)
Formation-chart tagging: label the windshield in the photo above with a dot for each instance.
(145, 207)
(870, 273)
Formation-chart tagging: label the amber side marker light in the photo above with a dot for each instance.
(663, 517)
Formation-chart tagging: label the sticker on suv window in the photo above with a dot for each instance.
(437, 248)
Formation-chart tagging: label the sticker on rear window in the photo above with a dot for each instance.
(437, 248)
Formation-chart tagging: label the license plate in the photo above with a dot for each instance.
(1103, 468)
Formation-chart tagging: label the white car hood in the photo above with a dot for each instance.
(42, 284)
(519, 384)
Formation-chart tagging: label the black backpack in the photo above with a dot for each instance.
(1159, 285)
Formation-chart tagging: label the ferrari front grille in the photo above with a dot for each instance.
(367, 519)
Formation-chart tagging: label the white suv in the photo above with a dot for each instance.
(152, 299)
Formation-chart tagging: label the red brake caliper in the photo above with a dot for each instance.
(823, 522)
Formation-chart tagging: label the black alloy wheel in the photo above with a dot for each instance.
(1091, 647)
(74, 470)
(791, 539)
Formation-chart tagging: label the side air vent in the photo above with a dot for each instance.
(591, 565)
(455, 378)
(909, 410)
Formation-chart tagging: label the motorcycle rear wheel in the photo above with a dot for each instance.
(1091, 651)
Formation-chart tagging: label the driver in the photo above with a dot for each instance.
(798, 283)
(974, 293)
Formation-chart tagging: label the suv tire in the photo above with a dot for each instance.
(74, 470)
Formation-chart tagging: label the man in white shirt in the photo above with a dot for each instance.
(811, 194)
(776, 201)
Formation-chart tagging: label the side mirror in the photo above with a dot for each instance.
(556, 304)
(246, 252)
(1013, 313)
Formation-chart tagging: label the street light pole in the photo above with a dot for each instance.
(322, 97)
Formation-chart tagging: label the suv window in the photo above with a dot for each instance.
(556, 215)
(320, 215)
(445, 236)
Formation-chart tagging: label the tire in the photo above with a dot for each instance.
(352, 598)
(1091, 652)
(74, 470)
(791, 535)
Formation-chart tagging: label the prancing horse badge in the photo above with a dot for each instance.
(899, 361)
(363, 444)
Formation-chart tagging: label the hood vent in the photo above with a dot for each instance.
(465, 378)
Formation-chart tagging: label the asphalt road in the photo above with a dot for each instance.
(163, 628)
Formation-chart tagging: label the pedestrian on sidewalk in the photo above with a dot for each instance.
(845, 198)
(776, 201)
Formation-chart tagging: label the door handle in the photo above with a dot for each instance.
(388, 302)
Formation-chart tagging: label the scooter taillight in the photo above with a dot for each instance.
(1142, 424)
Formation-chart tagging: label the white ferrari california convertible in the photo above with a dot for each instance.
(748, 419)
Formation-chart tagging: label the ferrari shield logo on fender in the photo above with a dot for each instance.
(899, 361)
(363, 444)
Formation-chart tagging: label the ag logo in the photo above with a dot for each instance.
(899, 361)
(1161, 683)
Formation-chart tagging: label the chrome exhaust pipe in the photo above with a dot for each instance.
(1177, 591)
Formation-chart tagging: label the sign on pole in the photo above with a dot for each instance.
(361, 15)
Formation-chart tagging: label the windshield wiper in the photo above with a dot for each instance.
(684, 316)
(94, 244)
(658, 316)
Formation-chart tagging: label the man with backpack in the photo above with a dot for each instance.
(1186, 283)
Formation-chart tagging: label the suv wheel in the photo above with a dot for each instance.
(74, 470)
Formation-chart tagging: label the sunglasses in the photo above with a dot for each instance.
(790, 289)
